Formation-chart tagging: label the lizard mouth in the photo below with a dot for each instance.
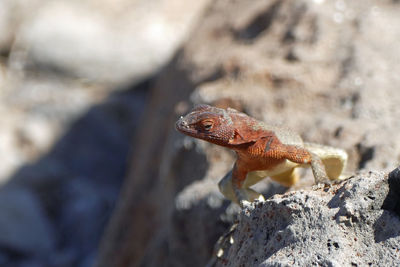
(188, 129)
(182, 126)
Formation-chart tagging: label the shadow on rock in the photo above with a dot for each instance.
(392, 201)
(67, 196)
(384, 226)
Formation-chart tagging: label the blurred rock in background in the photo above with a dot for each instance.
(74, 82)
(107, 41)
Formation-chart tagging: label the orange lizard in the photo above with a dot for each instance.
(262, 150)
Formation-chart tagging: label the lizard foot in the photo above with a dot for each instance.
(237, 194)
(247, 194)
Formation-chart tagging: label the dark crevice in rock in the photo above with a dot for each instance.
(338, 132)
(332, 244)
(259, 24)
(366, 154)
(392, 200)
(5, 52)
(383, 226)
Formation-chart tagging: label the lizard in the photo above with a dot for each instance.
(262, 150)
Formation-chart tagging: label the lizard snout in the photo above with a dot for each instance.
(181, 124)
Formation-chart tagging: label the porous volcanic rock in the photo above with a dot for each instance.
(342, 225)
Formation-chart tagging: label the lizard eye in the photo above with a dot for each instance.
(207, 125)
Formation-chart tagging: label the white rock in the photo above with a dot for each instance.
(107, 41)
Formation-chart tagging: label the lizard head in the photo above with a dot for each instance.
(208, 123)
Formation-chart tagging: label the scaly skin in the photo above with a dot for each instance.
(262, 150)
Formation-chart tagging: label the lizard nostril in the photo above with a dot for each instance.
(181, 123)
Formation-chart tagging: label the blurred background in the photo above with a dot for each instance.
(92, 170)
(74, 81)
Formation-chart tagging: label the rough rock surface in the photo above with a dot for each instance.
(344, 225)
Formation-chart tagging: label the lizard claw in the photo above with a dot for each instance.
(247, 194)
(243, 203)
(260, 198)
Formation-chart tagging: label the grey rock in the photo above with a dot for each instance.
(24, 226)
(341, 225)
(107, 41)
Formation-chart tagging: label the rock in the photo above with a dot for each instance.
(77, 181)
(24, 227)
(36, 112)
(339, 226)
(106, 41)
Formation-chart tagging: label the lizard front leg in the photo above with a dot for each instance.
(233, 188)
(239, 175)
